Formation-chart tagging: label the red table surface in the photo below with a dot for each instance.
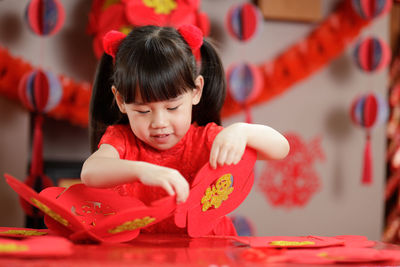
(157, 250)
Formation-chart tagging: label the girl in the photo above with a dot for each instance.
(165, 124)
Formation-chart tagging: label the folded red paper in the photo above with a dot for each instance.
(340, 255)
(16, 232)
(41, 246)
(215, 193)
(83, 213)
(289, 241)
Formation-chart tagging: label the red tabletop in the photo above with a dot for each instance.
(157, 250)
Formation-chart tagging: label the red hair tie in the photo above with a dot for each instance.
(193, 36)
(111, 42)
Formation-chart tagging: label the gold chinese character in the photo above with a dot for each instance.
(161, 6)
(132, 225)
(283, 243)
(49, 212)
(216, 194)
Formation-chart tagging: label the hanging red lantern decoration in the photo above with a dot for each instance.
(45, 17)
(243, 21)
(245, 83)
(372, 54)
(39, 92)
(369, 9)
(367, 111)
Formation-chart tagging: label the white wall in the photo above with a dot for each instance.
(317, 106)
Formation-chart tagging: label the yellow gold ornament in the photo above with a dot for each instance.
(49, 212)
(132, 225)
(216, 194)
(283, 243)
(164, 7)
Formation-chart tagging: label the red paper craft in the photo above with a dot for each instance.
(292, 181)
(44, 246)
(80, 214)
(289, 241)
(215, 193)
(22, 232)
(356, 241)
(340, 255)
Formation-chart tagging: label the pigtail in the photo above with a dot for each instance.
(102, 110)
(214, 91)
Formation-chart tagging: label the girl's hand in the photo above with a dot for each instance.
(228, 146)
(169, 179)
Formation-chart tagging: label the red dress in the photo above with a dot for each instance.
(187, 156)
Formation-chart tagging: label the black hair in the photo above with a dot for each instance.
(157, 64)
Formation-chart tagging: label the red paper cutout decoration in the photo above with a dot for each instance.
(45, 17)
(119, 220)
(123, 15)
(292, 181)
(39, 92)
(243, 21)
(372, 54)
(367, 111)
(244, 83)
(369, 9)
(41, 246)
(215, 193)
(289, 241)
(15, 232)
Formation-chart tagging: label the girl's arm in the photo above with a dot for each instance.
(104, 168)
(229, 145)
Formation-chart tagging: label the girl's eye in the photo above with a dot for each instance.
(174, 108)
(142, 112)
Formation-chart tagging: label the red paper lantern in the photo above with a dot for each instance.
(245, 83)
(243, 21)
(369, 9)
(39, 91)
(367, 111)
(45, 17)
(372, 54)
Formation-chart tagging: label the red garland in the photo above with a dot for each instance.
(298, 62)
(74, 105)
(305, 57)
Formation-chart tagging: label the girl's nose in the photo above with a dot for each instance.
(159, 120)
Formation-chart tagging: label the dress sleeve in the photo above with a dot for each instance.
(211, 131)
(115, 137)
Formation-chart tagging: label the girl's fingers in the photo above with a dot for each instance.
(167, 187)
(230, 158)
(213, 156)
(182, 190)
(222, 156)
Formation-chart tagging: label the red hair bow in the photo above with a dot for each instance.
(193, 36)
(111, 42)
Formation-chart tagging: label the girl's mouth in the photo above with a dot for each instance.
(161, 138)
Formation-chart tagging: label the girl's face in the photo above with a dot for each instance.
(161, 124)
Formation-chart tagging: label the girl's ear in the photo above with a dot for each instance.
(197, 92)
(118, 98)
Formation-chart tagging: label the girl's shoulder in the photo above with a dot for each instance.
(206, 133)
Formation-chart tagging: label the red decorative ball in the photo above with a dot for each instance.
(45, 17)
(243, 21)
(245, 82)
(40, 91)
(369, 9)
(372, 54)
(369, 110)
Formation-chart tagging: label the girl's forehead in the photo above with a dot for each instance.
(139, 100)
